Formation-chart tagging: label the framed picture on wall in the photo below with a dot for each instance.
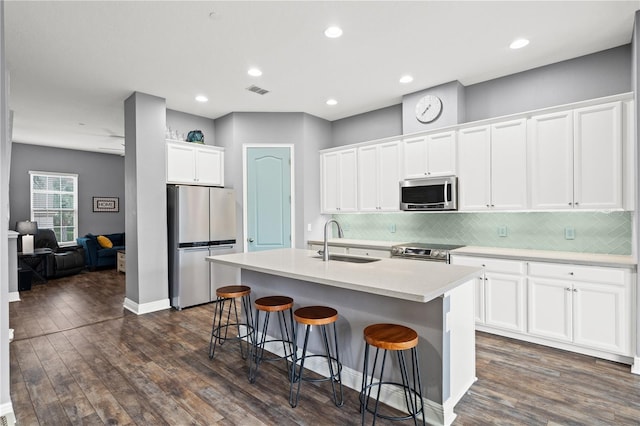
(106, 204)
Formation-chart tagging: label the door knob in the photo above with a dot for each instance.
(250, 239)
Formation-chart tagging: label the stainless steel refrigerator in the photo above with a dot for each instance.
(201, 222)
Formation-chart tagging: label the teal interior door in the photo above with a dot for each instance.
(268, 198)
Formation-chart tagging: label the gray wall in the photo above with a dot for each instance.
(183, 123)
(99, 175)
(371, 125)
(586, 77)
(306, 133)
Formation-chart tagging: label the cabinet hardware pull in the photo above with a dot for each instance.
(575, 290)
(570, 273)
(568, 289)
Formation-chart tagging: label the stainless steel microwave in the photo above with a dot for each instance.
(429, 194)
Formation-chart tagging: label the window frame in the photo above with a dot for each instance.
(33, 211)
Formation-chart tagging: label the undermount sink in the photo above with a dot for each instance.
(350, 259)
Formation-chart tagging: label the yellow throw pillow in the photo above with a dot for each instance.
(104, 241)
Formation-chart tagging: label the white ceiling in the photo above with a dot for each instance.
(74, 62)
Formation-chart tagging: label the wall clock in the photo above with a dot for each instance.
(428, 108)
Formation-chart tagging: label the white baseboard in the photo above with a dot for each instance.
(6, 410)
(14, 296)
(145, 308)
(635, 368)
(435, 413)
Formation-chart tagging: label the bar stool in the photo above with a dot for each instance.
(220, 330)
(277, 304)
(398, 338)
(320, 316)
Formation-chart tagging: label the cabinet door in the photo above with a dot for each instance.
(339, 181)
(441, 154)
(415, 158)
(551, 160)
(504, 301)
(509, 165)
(348, 181)
(329, 166)
(601, 317)
(474, 173)
(368, 178)
(598, 157)
(180, 164)
(549, 310)
(389, 175)
(209, 167)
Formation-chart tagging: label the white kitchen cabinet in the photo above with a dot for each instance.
(584, 305)
(339, 171)
(500, 292)
(190, 163)
(357, 251)
(598, 157)
(379, 175)
(430, 155)
(576, 158)
(492, 167)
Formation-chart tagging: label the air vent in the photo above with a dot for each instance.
(259, 90)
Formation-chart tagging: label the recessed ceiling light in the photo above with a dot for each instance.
(202, 98)
(254, 72)
(406, 79)
(332, 102)
(333, 32)
(519, 43)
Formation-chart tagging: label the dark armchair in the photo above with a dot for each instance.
(62, 261)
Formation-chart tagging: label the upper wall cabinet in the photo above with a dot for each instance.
(339, 183)
(195, 164)
(430, 155)
(379, 174)
(575, 158)
(492, 166)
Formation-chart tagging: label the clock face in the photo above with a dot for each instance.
(428, 108)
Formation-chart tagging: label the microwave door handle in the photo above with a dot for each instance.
(446, 200)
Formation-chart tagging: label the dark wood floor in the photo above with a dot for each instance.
(79, 358)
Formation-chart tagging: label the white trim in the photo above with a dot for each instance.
(635, 368)
(436, 414)
(6, 410)
(145, 308)
(11, 335)
(14, 296)
(291, 190)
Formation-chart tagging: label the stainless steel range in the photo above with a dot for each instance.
(423, 251)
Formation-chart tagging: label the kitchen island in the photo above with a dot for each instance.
(435, 299)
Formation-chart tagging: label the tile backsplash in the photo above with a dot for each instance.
(587, 232)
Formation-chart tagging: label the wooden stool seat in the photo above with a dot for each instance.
(241, 329)
(401, 340)
(315, 315)
(278, 305)
(321, 316)
(274, 303)
(393, 337)
(232, 291)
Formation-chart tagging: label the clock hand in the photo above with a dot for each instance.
(426, 109)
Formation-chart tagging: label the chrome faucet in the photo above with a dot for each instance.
(325, 253)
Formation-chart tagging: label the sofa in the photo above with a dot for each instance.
(62, 261)
(98, 256)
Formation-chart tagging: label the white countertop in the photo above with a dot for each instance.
(398, 278)
(593, 259)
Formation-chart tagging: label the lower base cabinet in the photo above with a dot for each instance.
(577, 306)
(586, 306)
(500, 292)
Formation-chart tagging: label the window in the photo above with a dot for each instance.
(54, 204)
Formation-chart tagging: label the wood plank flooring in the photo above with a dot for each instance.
(79, 358)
